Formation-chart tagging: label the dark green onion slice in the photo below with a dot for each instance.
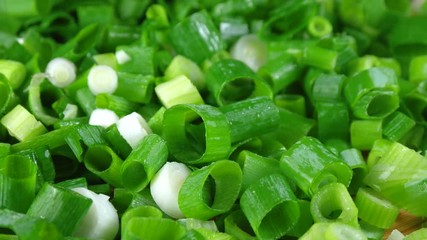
(276, 211)
(221, 180)
(251, 118)
(231, 80)
(62, 207)
(143, 162)
(17, 182)
(311, 165)
(211, 141)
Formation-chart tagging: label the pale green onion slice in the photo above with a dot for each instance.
(165, 187)
(21, 124)
(61, 72)
(181, 65)
(179, 90)
(122, 57)
(133, 128)
(70, 111)
(251, 50)
(103, 117)
(102, 79)
(396, 235)
(101, 221)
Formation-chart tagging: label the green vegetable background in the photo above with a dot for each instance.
(212, 119)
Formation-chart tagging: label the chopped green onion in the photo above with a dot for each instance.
(332, 128)
(333, 203)
(27, 227)
(378, 150)
(17, 172)
(62, 207)
(319, 57)
(101, 221)
(280, 72)
(231, 28)
(311, 165)
(135, 87)
(255, 167)
(137, 212)
(396, 235)
(42, 157)
(211, 190)
(104, 162)
(135, 59)
(153, 228)
(14, 72)
(327, 87)
(212, 119)
(8, 98)
(231, 81)
(143, 198)
(363, 133)
(103, 117)
(178, 91)
(276, 211)
(61, 72)
(86, 100)
(211, 143)
(250, 50)
(133, 128)
(143, 162)
(52, 139)
(165, 187)
(181, 65)
(346, 47)
(82, 136)
(78, 47)
(319, 26)
(398, 176)
(21, 124)
(39, 90)
(251, 117)
(196, 37)
(396, 125)
(375, 210)
(362, 63)
(102, 79)
(372, 93)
